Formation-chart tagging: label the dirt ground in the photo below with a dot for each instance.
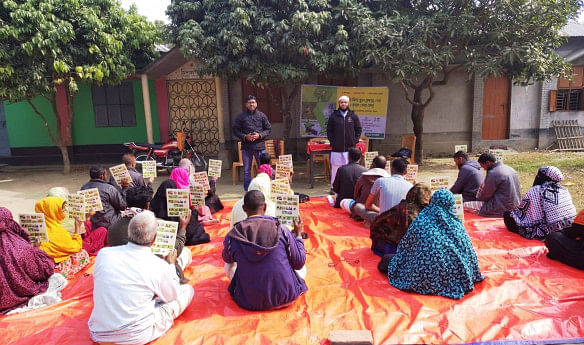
(21, 187)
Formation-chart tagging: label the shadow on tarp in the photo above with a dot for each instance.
(525, 299)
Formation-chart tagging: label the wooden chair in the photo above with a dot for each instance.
(239, 164)
(271, 149)
(409, 141)
(366, 141)
(318, 158)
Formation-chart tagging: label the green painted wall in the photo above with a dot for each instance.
(25, 129)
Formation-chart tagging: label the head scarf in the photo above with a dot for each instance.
(59, 192)
(7, 223)
(158, 204)
(436, 257)
(261, 182)
(546, 207)
(391, 225)
(181, 177)
(52, 208)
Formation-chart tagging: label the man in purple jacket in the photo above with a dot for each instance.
(470, 177)
(267, 256)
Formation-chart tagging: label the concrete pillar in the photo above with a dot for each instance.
(147, 110)
(223, 154)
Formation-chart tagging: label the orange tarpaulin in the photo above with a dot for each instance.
(525, 296)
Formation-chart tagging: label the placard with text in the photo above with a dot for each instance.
(177, 202)
(149, 169)
(119, 173)
(165, 237)
(92, 200)
(34, 223)
(287, 208)
(215, 168)
(369, 157)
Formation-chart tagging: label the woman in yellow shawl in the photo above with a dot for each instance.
(64, 248)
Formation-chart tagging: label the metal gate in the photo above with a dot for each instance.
(192, 106)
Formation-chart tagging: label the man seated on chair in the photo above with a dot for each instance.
(469, 177)
(388, 191)
(262, 257)
(499, 192)
(347, 177)
(364, 184)
(136, 295)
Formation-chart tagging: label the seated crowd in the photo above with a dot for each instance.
(424, 247)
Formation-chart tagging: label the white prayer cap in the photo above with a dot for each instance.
(344, 98)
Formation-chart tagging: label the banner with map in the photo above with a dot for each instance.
(319, 102)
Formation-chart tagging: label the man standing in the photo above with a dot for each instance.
(388, 191)
(347, 177)
(469, 178)
(499, 192)
(251, 127)
(136, 295)
(112, 200)
(343, 131)
(137, 179)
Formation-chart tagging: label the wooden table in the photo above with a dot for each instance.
(313, 148)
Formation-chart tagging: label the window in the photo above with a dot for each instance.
(568, 96)
(114, 105)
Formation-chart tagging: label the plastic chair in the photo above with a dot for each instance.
(238, 164)
(318, 158)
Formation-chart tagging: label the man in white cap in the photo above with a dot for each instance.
(343, 131)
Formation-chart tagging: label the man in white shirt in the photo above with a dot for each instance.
(136, 295)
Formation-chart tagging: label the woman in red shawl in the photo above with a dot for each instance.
(24, 269)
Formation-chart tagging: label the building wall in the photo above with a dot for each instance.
(25, 129)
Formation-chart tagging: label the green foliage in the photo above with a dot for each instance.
(413, 40)
(271, 42)
(48, 42)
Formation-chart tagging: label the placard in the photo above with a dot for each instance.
(92, 200)
(460, 148)
(388, 166)
(177, 202)
(287, 207)
(499, 154)
(437, 183)
(149, 169)
(120, 172)
(369, 157)
(285, 160)
(283, 171)
(458, 208)
(280, 186)
(165, 237)
(34, 223)
(76, 206)
(198, 194)
(411, 173)
(215, 168)
(202, 179)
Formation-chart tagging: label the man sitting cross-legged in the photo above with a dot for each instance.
(136, 295)
(267, 255)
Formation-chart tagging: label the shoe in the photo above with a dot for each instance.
(332, 192)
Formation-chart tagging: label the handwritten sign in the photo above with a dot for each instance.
(287, 207)
(458, 208)
(120, 173)
(460, 148)
(215, 168)
(165, 237)
(202, 179)
(149, 169)
(76, 206)
(92, 200)
(499, 154)
(198, 194)
(411, 173)
(177, 202)
(369, 156)
(34, 223)
(283, 171)
(437, 183)
(285, 160)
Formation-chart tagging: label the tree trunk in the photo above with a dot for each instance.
(289, 93)
(66, 163)
(417, 115)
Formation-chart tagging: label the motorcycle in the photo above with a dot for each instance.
(169, 154)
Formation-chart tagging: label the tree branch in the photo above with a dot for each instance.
(431, 90)
(446, 73)
(35, 109)
(407, 94)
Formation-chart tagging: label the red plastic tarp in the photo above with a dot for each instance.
(525, 297)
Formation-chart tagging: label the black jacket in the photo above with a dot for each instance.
(246, 123)
(345, 181)
(112, 200)
(343, 132)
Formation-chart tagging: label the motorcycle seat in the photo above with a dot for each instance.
(154, 146)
